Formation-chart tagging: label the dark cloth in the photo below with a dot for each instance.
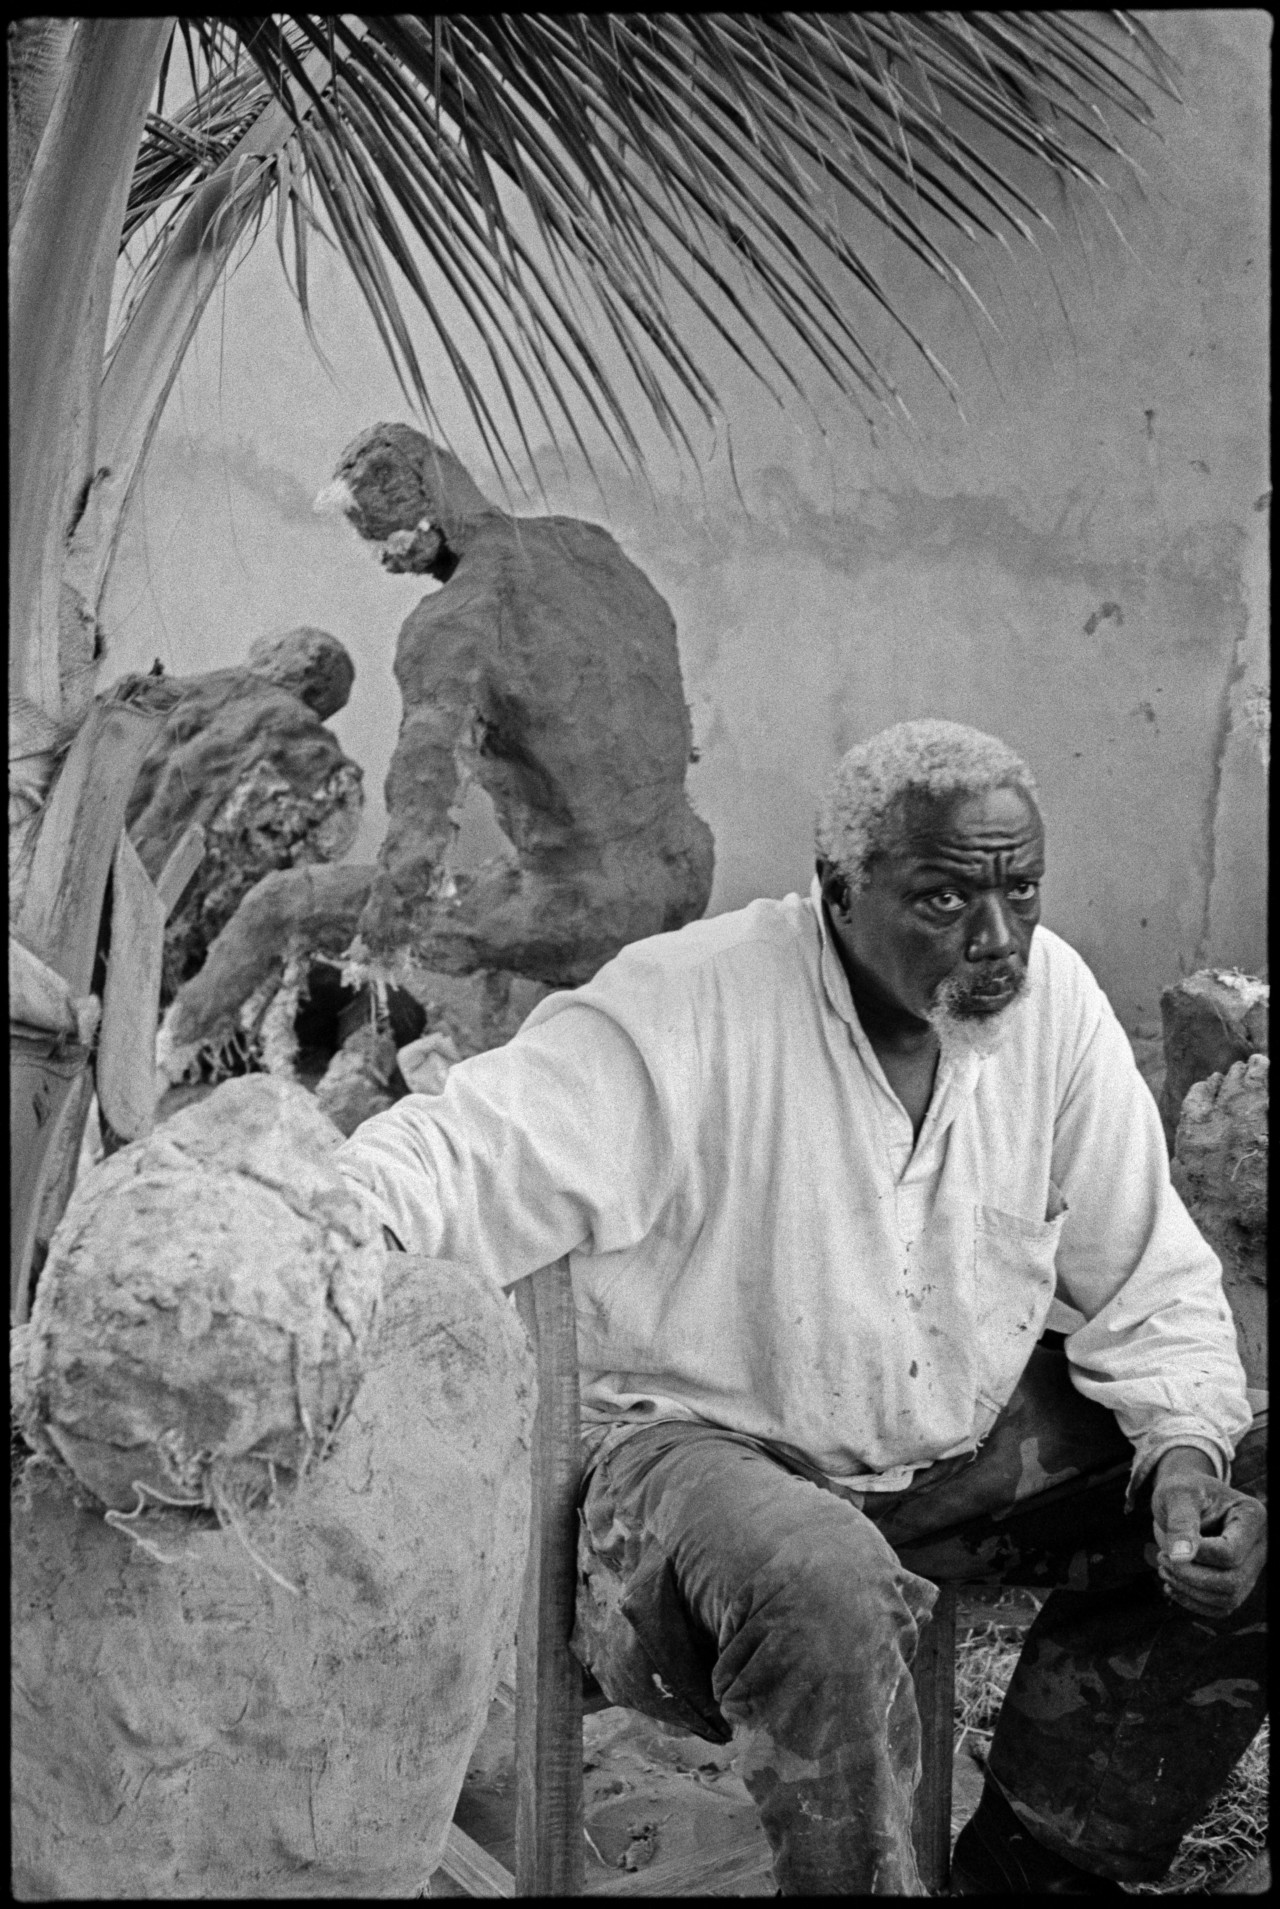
(729, 1588)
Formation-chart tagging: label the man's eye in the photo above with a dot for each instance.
(1024, 891)
(946, 901)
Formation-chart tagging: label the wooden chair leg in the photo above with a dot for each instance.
(934, 1676)
(549, 1840)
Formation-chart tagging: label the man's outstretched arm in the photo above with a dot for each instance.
(557, 1141)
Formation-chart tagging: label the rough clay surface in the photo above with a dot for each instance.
(206, 1304)
(1210, 1019)
(295, 912)
(268, 782)
(545, 672)
(306, 914)
(310, 664)
(192, 1728)
(1220, 1169)
(473, 1011)
(358, 1080)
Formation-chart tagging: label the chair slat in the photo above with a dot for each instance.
(934, 1676)
(473, 1868)
(549, 1840)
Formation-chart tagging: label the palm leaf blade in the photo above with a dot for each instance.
(650, 150)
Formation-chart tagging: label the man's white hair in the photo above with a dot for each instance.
(930, 757)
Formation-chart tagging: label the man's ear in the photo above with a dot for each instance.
(835, 886)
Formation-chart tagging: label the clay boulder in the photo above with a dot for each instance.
(1220, 1169)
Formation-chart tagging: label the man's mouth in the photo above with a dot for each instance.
(985, 997)
(973, 1015)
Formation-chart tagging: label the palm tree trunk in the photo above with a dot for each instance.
(37, 55)
(74, 461)
(61, 255)
(68, 212)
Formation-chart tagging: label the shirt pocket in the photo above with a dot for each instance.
(1013, 1287)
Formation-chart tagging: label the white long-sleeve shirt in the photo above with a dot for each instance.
(756, 1241)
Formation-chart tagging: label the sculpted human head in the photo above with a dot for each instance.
(930, 854)
(400, 489)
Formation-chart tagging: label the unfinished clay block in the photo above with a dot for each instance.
(310, 664)
(1221, 1151)
(200, 1324)
(1220, 1169)
(186, 1726)
(545, 676)
(268, 782)
(1210, 1019)
(424, 1064)
(358, 1080)
(474, 1011)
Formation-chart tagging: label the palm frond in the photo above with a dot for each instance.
(713, 154)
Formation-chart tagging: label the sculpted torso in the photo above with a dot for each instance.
(545, 671)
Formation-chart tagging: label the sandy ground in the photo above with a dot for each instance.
(665, 1813)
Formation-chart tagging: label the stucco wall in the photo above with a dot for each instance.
(1078, 564)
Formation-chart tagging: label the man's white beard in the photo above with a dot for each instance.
(980, 1034)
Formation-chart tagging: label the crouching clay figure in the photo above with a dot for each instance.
(544, 677)
(245, 752)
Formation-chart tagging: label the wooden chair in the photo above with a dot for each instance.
(550, 1680)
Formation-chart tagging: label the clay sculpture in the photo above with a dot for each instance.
(245, 753)
(269, 1525)
(543, 682)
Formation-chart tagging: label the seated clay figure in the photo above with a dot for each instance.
(542, 692)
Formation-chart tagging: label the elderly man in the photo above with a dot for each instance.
(880, 1281)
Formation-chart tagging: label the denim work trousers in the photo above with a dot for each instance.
(727, 1588)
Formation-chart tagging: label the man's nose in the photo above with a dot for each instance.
(990, 936)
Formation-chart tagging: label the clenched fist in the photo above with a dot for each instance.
(1212, 1538)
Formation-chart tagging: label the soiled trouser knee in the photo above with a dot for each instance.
(804, 1623)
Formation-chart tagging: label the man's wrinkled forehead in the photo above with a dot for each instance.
(928, 827)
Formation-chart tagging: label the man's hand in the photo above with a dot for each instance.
(1212, 1539)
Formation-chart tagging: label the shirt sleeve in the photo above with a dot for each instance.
(1158, 1346)
(554, 1143)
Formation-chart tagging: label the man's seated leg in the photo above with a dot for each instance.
(1148, 1707)
(1126, 1713)
(745, 1598)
